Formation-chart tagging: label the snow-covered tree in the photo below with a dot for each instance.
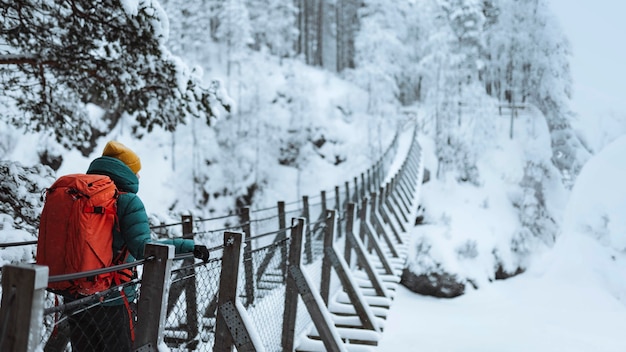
(234, 31)
(538, 224)
(451, 46)
(380, 56)
(20, 192)
(273, 26)
(379, 50)
(529, 63)
(56, 57)
(190, 25)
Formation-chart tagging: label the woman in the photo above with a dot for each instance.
(109, 326)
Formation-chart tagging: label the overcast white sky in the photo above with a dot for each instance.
(596, 29)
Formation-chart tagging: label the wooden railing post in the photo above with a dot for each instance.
(374, 180)
(282, 224)
(377, 223)
(339, 211)
(21, 312)
(232, 328)
(187, 223)
(191, 300)
(291, 290)
(329, 237)
(349, 230)
(356, 190)
(155, 285)
(185, 281)
(379, 174)
(396, 194)
(363, 191)
(372, 217)
(363, 219)
(385, 215)
(403, 189)
(368, 237)
(267, 259)
(391, 207)
(247, 255)
(308, 245)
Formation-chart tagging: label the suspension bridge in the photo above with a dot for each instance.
(316, 274)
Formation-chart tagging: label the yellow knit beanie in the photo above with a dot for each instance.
(119, 151)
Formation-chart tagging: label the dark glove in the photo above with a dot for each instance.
(201, 252)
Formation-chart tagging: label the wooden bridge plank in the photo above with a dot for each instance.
(353, 321)
(376, 301)
(382, 277)
(368, 289)
(355, 334)
(348, 309)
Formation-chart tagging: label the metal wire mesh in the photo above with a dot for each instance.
(100, 322)
(263, 222)
(316, 238)
(192, 305)
(264, 295)
(210, 232)
(303, 318)
(55, 332)
(206, 231)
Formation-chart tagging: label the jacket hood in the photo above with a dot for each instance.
(122, 175)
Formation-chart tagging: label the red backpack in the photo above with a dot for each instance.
(76, 231)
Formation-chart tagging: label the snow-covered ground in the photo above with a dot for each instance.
(573, 298)
(527, 313)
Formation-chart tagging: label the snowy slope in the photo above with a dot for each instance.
(572, 298)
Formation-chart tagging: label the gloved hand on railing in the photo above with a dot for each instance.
(201, 252)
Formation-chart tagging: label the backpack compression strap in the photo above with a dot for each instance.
(100, 210)
(120, 277)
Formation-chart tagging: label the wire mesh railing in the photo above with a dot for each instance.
(268, 292)
(193, 307)
(96, 322)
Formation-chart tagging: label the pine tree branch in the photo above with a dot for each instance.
(15, 59)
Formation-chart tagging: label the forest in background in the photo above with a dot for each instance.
(73, 72)
(428, 52)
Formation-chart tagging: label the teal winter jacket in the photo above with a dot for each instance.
(134, 228)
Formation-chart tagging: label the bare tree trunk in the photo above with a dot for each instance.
(300, 23)
(347, 27)
(353, 20)
(306, 34)
(339, 35)
(319, 54)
